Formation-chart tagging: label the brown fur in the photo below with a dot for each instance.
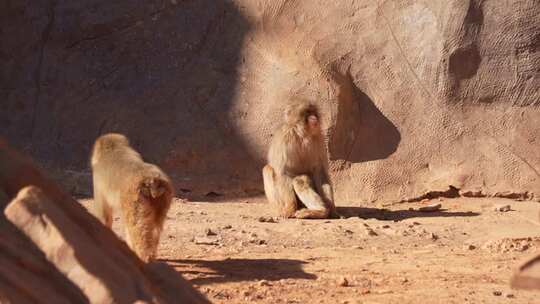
(297, 169)
(140, 191)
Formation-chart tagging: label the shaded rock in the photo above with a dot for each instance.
(103, 276)
(26, 276)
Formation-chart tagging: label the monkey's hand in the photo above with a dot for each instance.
(328, 195)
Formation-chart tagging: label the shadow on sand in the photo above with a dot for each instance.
(398, 215)
(237, 270)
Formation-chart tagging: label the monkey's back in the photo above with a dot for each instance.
(292, 153)
(123, 172)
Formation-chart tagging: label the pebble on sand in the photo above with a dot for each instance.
(343, 282)
(502, 208)
(430, 208)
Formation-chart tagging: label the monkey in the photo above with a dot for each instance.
(140, 191)
(296, 175)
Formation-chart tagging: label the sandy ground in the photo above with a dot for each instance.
(235, 252)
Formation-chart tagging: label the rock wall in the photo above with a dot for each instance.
(419, 96)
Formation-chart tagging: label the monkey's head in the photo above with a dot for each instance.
(106, 143)
(305, 115)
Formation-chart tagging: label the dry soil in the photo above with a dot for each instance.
(236, 252)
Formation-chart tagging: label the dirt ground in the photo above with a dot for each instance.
(235, 252)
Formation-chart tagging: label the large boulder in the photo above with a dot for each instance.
(26, 276)
(419, 96)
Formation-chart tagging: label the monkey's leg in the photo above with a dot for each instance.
(315, 206)
(269, 184)
(279, 192)
(140, 227)
(102, 211)
(329, 199)
(323, 186)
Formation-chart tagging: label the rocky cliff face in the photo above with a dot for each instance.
(418, 96)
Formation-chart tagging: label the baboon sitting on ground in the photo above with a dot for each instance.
(297, 170)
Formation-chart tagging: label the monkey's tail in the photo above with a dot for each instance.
(156, 188)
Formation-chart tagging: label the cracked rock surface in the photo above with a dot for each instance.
(418, 96)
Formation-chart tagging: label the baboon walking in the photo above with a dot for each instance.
(140, 191)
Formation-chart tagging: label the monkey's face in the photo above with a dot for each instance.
(312, 122)
(304, 115)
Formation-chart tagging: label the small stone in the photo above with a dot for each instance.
(370, 232)
(266, 219)
(227, 227)
(434, 236)
(209, 232)
(509, 295)
(497, 293)
(523, 247)
(502, 208)
(430, 208)
(343, 282)
(469, 247)
(205, 241)
(264, 283)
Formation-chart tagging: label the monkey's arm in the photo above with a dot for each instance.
(326, 189)
(324, 179)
